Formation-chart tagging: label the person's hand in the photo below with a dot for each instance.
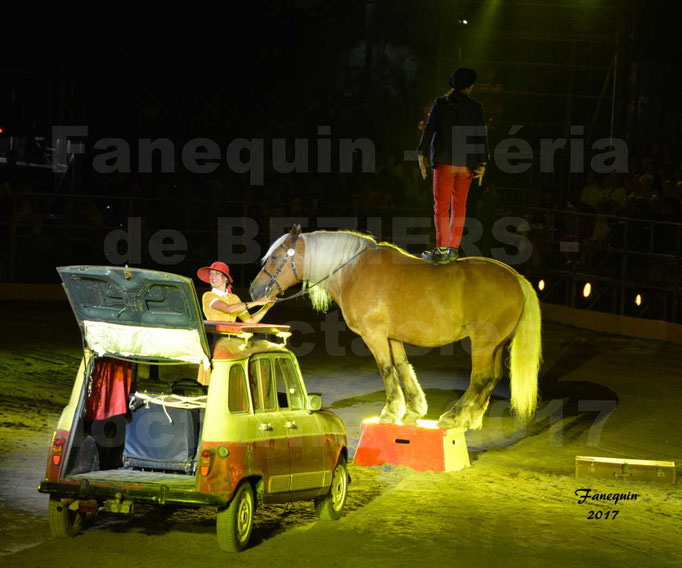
(479, 172)
(260, 302)
(422, 166)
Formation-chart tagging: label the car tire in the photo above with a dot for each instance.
(64, 522)
(235, 523)
(331, 506)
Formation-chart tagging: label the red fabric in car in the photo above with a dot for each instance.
(111, 383)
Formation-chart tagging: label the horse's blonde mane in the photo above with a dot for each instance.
(326, 251)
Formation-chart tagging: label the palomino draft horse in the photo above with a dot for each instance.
(388, 297)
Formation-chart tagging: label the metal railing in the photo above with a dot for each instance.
(620, 257)
(32, 243)
(632, 265)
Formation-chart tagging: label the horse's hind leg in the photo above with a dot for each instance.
(486, 370)
(395, 401)
(415, 400)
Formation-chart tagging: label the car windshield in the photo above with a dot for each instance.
(289, 391)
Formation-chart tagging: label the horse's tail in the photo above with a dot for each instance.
(526, 354)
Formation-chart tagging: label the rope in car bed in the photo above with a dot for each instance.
(170, 400)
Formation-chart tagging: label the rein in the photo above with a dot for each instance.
(302, 292)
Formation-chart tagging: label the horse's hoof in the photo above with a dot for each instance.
(446, 424)
(465, 419)
(387, 418)
(453, 421)
(390, 415)
(411, 417)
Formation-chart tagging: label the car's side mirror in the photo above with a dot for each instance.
(314, 402)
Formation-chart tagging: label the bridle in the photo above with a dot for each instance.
(289, 256)
(291, 251)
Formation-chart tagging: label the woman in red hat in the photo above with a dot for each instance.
(220, 304)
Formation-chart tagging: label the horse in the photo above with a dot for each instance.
(390, 297)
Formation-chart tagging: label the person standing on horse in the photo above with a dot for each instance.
(455, 135)
(220, 304)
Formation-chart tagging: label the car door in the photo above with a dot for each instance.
(306, 439)
(272, 431)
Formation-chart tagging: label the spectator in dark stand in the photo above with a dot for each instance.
(591, 194)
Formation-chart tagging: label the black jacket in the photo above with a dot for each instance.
(455, 132)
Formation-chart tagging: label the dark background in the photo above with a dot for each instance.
(232, 73)
(277, 69)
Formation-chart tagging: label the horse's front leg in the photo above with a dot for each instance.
(394, 408)
(414, 395)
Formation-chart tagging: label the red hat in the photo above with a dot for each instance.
(202, 273)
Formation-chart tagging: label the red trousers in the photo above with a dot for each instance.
(450, 189)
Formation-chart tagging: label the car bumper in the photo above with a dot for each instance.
(157, 494)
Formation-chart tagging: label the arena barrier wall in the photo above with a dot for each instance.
(584, 319)
(614, 324)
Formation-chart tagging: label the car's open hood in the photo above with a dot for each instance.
(137, 313)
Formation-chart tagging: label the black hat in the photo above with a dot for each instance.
(461, 78)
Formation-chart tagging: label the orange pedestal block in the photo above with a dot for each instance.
(420, 447)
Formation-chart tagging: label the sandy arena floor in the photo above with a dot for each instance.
(516, 506)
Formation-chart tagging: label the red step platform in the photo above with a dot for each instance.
(422, 447)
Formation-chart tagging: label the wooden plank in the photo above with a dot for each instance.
(619, 468)
(239, 327)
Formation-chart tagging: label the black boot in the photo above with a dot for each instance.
(452, 254)
(438, 254)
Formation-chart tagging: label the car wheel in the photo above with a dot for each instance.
(63, 521)
(234, 523)
(331, 506)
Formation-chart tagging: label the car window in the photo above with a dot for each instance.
(237, 401)
(288, 384)
(282, 398)
(262, 381)
(254, 385)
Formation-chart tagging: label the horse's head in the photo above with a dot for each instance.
(282, 266)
